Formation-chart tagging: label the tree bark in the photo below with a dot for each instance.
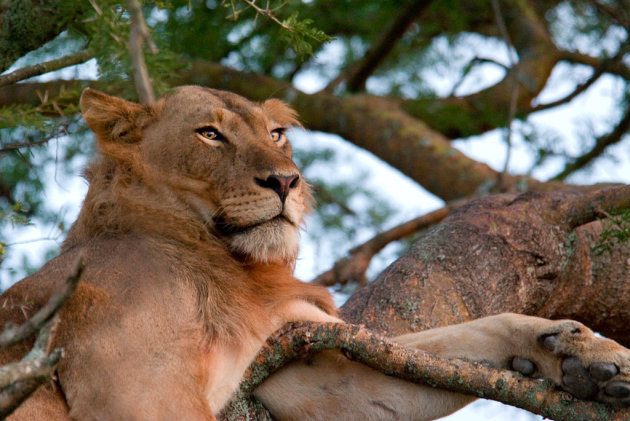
(526, 253)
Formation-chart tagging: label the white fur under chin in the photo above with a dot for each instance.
(274, 241)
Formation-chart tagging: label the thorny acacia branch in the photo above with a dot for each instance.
(353, 267)
(138, 35)
(297, 340)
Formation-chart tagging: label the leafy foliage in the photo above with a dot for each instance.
(616, 230)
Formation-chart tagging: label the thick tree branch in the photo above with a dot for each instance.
(297, 340)
(601, 143)
(48, 66)
(585, 208)
(530, 253)
(357, 74)
(489, 108)
(353, 267)
(138, 35)
(373, 123)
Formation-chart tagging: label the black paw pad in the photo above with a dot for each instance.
(617, 390)
(576, 379)
(603, 371)
(523, 366)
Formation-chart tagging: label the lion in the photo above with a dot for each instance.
(190, 236)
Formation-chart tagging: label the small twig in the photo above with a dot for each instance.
(138, 35)
(618, 15)
(357, 74)
(353, 267)
(5, 147)
(48, 66)
(297, 340)
(13, 335)
(578, 90)
(268, 13)
(496, 8)
(471, 65)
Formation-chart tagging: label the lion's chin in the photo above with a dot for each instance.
(272, 241)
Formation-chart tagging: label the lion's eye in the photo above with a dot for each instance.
(277, 135)
(211, 133)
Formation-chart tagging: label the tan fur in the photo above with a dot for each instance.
(189, 259)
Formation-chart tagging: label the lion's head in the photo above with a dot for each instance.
(211, 157)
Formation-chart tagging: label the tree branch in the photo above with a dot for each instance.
(601, 143)
(421, 153)
(618, 15)
(530, 253)
(353, 267)
(138, 35)
(20, 379)
(297, 340)
(618, 67)
(48, 66)
(12, 335)
(489, 108)
(62, 129)
(357, 74)
(498, 16)
(26, 25)
(584, 208)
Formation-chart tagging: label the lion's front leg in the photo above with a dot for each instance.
(564, 351)
(567, 352)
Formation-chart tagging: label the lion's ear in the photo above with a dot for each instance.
(281, 113)
(112, 119)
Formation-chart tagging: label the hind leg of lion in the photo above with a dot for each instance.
(329, 386)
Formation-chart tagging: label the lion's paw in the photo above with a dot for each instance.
(592, 368)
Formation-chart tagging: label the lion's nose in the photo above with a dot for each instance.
(281, 184)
